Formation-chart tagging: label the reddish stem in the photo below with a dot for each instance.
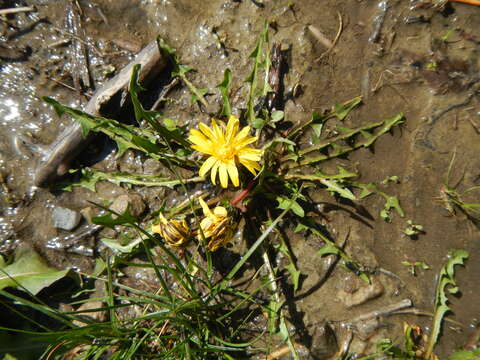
(243, 194)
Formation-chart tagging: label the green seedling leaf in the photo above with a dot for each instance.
(413, 266)
(341, 111)
(224, 87)
(413, 229)
(394, 178)
(392, 202)
(385, 215)
(286, 203)
(465, 355)
(334, 186)
(446, 282)
(258, 123)
(28, 272)
(277, 116)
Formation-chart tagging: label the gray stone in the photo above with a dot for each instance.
(65, 219)
(133, 201)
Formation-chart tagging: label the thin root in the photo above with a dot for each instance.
(339, 32)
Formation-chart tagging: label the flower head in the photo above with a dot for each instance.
(217, 226)
(226, 146)
(175, 232)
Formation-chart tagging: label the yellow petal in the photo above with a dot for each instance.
(250, 154)
(250, 165)
(207, 165)
(233, 173)
(232, 128)
(156, 229)
(206, 130)
(220, 211)
(201, 149)
(197, 137)
(247, 140)
(217, 132)
(213, 174)
(206, 210)
(242, 134)
(223, 175)
(163, 220)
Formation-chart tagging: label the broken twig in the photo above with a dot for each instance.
(17, 10)
(387, 310)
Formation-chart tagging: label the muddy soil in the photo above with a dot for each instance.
(400, 57)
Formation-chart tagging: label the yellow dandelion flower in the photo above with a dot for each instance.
(175, 232)
(217, 226)
(226, 146)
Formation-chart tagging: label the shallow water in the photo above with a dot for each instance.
(382, 54)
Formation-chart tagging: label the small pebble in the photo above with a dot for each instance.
(65, 219)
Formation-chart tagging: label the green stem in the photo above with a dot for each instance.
(260, 240)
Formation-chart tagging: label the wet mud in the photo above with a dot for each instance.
(400, 57)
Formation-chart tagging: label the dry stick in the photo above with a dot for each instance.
(162, 96)
(320, 36)
(470, 2)
(17, 10)
(405, 303)
(284, 350)
(339, 32)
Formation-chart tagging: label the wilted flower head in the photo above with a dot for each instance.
(175, 232)
(226, 146)
(217, 226)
